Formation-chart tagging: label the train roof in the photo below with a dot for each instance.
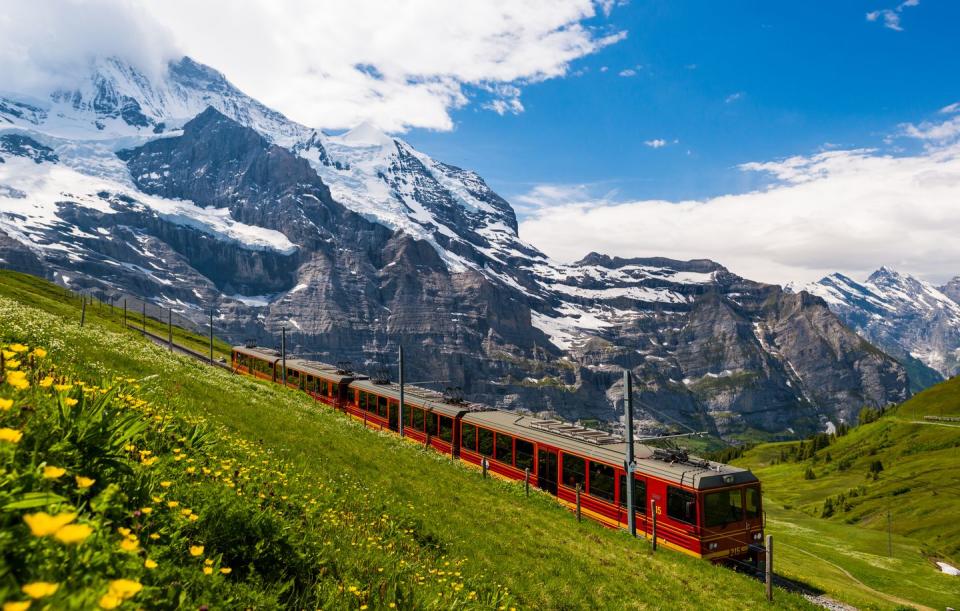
(323, 370)
(419, 397)
(267, 354)
(674, 467)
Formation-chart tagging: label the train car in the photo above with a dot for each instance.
(325, 383)
(429, 417)
(704, 509)
(255, 361)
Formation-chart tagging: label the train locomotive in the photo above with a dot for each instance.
(702, 508)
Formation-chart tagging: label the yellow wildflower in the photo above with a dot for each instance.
(74, 533)
(84, 482)
(46, 382)
(39, 353)
(148, 461)
(6, 404)
(166, 483)
(196, 550)
(207, 570)
(18, 380)
(172, 504)
(8, 355)
(109, 601)
(51, 472)
(42, 523)
(10, 435)
(129, 545)
(226, 570)
(150, 564)
(62, 387)
(208, 561)
(69, 401)
(124, 588)
(154, 536)
(20, 605)
(194, 517)
(190, 470)
(146, 510)
(17, 347)
(40, 589)
(13, 364)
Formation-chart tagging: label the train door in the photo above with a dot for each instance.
(547, 470)
(393, 420)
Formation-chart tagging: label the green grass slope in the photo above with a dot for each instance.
(899, 473)
(304, 506)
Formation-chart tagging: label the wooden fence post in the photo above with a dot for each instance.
(769, 567)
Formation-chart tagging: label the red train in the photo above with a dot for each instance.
(705, 509)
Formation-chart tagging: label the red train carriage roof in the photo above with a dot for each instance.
(264, 354)
(611, 449)
(322, 370)
(418, 397)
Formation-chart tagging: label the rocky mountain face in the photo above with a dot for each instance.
(952, 289)
(908, 318)
(189, 193)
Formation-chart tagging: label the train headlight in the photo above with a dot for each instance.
(757, 536)
(712, 546)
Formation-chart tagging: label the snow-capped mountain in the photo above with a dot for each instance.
(907, 317)
(185, 190)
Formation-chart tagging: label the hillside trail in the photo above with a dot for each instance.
(888, 597)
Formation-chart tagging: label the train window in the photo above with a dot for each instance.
(382, 407)
(335, 390)
(681, 505)
(323, 388)
(639, 494)
(574, 470)
(485, 442)
(446, 429)
(504, 449)
(723, 507)
(431, 423)
(407, 415)
(524, 454)
(468, 436)
(363, 400)
(417, 418)
(752, 506)
(601, 481)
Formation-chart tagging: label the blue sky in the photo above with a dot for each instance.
(722, 83)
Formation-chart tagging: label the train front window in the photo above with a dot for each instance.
(723, 507)
(681, 505)
(752, 505)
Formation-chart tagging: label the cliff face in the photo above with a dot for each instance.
(197, 197)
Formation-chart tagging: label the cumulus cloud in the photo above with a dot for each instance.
(840, 210)
(51, 44)
(326, 64)
(733, 97)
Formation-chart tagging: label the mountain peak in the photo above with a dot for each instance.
(366, 134)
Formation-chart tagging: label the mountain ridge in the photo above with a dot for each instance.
(353, 242)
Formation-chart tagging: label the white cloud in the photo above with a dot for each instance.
(950, 108)
(934, 132)
(326, 64)
(628, 72)
(733, 97)
(848, 211)
(656, 143)
(891, 17)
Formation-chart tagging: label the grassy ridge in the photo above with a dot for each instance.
(836, 504)
(363, 510)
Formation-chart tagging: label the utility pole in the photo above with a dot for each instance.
(83, 312)
(211, 336)
(768, 569)
(400, 379)
(628, 412)
(283, 353)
